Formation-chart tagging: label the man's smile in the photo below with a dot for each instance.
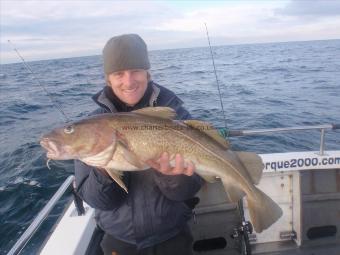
(130, 91)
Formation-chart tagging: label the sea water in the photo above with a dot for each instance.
(262, 86)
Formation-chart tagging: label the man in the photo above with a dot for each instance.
(152, 217)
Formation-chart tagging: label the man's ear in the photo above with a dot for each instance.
(108, 83)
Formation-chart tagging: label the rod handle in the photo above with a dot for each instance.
(336, 126)
(235, 133)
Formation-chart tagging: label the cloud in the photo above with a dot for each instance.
(57, 25)
(230, 17)
(58, 10)
(248, 22)
(46, 29)
(79, 19)
(311, 8)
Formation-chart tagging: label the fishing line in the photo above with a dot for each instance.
(54, 101)
(245, 228)
(223, 131)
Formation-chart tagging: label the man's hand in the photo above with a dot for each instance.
(162, 165)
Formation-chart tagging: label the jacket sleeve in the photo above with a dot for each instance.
(181, 113)
(96, 189)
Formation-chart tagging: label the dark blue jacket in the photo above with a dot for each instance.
(154, 209)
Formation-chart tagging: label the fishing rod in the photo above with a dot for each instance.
(245, 228)
(222, 131)
(77, 200)
(54, 101)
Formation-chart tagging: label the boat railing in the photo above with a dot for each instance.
(26, 236)
(322, 129)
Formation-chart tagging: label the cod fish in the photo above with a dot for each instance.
(125, 141)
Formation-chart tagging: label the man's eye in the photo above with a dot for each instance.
(137, 71)
(118, 74)
(69, 130)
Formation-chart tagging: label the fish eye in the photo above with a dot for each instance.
(68, 130)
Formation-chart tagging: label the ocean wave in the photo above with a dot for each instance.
(22, 107)
(275, 69)
(78, 75)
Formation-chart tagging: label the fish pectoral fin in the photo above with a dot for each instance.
(234, 193)
(117, 177)
(129, 156)
(209, 130)
(160, 112)
(253, 163)
(102, 158)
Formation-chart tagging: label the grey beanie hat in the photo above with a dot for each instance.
(125, 52)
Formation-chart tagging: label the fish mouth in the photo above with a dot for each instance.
(51, 147)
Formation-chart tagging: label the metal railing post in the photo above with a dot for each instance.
(26, 236)
(322, 142)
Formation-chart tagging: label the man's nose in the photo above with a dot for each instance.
(128, 78)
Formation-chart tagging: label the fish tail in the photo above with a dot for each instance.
(263, 210)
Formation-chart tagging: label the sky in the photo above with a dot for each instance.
(47, 29)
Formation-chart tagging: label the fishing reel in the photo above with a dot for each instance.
(246, 228)
(241, 234)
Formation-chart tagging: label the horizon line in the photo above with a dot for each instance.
(194, 47)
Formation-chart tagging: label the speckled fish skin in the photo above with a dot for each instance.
(125, 141)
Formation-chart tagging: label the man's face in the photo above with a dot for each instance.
(129, 85)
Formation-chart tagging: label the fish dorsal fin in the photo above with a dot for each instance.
(160, 112)
(209, 130)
